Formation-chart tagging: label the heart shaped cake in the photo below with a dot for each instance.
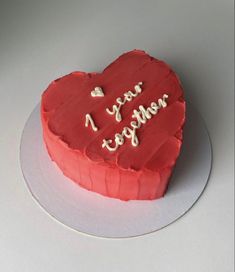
(119, 132)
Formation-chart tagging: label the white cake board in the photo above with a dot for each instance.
(97, 215)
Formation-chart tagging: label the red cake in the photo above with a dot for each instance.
(119, 132)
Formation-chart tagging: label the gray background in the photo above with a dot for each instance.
(42, 40)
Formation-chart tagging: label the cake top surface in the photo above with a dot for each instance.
(80, 110)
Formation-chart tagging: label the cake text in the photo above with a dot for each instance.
(90, 120)
(128, 96)
(142, 115)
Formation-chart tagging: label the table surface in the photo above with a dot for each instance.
(43, 40)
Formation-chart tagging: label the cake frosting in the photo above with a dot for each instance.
(118, 132)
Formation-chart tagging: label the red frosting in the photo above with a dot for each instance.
(130, 172)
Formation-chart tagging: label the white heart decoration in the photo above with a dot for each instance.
(97, 92)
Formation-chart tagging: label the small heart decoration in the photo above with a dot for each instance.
(126, 144)
(97, 92)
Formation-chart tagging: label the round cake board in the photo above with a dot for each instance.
(94, 214)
